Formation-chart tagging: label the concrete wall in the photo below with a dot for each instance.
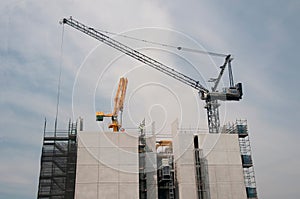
(151, 167)
(185, 171)
(222, 156)
(226, 179)
(107, 166)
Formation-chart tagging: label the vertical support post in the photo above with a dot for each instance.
(212, 107)
(202, 180)
(231, 82)
(142, 162)
(198, 166)
(45, 126)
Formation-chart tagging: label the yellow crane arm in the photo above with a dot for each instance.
(120, 95)
(118, 106)
(122, 98)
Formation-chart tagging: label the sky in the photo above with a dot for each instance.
(262, 36)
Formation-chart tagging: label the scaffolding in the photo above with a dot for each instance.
(166, 174)
(142, 164)
(241, 128)
(58, 164)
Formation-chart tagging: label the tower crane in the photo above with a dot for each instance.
(118, 106)
(231, 93)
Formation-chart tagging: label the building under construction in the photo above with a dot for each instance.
(191, 164)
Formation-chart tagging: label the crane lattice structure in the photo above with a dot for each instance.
(233, 93)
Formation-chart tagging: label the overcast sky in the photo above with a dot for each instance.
(263, 37)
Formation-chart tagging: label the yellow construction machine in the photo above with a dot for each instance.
(118, 107)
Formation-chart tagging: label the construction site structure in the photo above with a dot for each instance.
(198, 164)
(191, 163)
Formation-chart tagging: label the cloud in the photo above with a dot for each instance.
(17, 170)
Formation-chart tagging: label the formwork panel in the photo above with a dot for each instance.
(126, 140)
(128, 177)
(224, 191)
(217, 157)
(234, 157)
(87, 174)
(128, 156)
(236, 190)
(232, 142)
(108, 191)
(151, 163)
(208, 141)
(187, 174)
(128, 191)
(108, 175)
(220, 142)
(187, 191)
(87, 156)
(116, 165)
(109, 156)
(187, 157)
(108, 139)
(222, 174)
(151, 143)
(236, 174)
(212, 175)
(84, 191)
(134, 169)
(132, 150)
(88, 139)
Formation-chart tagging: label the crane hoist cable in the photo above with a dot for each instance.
(181, 48)
(59, 78)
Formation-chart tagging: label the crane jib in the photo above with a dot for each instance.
(135, 54)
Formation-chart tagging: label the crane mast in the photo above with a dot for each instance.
(211, 98)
